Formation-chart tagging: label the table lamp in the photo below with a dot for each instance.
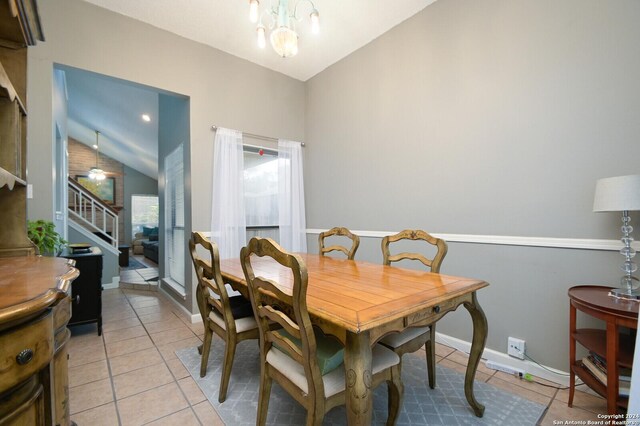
(615, 194)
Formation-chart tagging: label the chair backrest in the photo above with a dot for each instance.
(409, 234)
(210, 278)
(343, 232)
(270, 303)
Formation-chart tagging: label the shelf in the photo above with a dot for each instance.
(20, 23)
(596, 340)
(10, 180)
(8, 91)
(595, 384)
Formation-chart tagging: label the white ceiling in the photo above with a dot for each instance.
(345, 26)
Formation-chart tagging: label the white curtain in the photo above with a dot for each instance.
(293, 228)
(228, 221)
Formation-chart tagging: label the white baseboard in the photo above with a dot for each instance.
(115, 283)
(544, 372)
(184, 312)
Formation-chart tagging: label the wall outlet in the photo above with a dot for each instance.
(516, 347)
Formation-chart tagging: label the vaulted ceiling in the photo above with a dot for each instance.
(345, 26)
(114, 107)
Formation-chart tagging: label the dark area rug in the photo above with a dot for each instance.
(133, 264)
(445, 405)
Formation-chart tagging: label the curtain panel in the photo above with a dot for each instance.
(293, 236)
(228, 220)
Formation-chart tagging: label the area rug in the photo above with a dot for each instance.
(133, 264)
(445, 405)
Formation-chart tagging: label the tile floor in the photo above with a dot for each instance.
(130, 375)
(140, 279)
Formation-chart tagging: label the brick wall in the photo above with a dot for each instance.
(82, 158)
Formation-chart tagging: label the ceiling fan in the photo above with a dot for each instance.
(95, 172)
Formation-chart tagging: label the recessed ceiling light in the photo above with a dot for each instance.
(95, 146)
(146, 117)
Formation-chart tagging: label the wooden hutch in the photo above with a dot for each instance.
(34, 290)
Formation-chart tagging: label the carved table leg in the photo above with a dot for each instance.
(477, 347)
(357, 364)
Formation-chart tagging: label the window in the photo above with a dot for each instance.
(174, 218)
(261, 192)
(144, 212)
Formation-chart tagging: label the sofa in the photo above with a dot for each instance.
(149, 233)
(150, 250)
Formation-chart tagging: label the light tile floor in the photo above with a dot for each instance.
(131, 375)
(140, 279)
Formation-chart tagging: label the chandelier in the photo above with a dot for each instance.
(96, 173)
(284, 37)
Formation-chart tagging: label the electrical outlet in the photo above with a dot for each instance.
(516, 347)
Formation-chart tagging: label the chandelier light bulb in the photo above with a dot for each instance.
(262, 39)
(315, 21)
(285, 42)
(282, 24)
(253, 10)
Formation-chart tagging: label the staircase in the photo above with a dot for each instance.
(92, 214)
(91, 219)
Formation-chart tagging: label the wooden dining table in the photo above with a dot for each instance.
(360, 302)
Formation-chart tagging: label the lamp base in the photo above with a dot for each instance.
(625, 294)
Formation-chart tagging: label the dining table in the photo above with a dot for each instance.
(360, 302)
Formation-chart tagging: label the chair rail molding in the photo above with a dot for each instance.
(508, 240)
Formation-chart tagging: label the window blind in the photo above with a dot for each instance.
(174, 216)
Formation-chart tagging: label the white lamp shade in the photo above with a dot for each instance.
(617, 194)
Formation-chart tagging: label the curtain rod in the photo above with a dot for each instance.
(253, 136)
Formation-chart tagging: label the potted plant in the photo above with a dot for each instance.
(43, 234)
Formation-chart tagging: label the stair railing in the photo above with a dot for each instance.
(92, 212)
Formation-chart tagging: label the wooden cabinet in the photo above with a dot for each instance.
(609, 343)
(34, 311)
(19, 27)
(86, 295)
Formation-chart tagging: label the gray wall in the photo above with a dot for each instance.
(222, 89)
(135, 183)
(174, 130)
(490, 118)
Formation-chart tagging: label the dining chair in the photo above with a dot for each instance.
(231, 318)
(412, 339)
(343, 232)
(298, 356)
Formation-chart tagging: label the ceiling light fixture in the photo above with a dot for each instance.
(284, 38)
(145, 117)
(96, 173)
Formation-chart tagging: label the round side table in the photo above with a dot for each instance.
(609, 344)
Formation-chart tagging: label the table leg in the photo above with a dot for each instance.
(357, 364)
(612, 368)
(572, 353)
(477, 347)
